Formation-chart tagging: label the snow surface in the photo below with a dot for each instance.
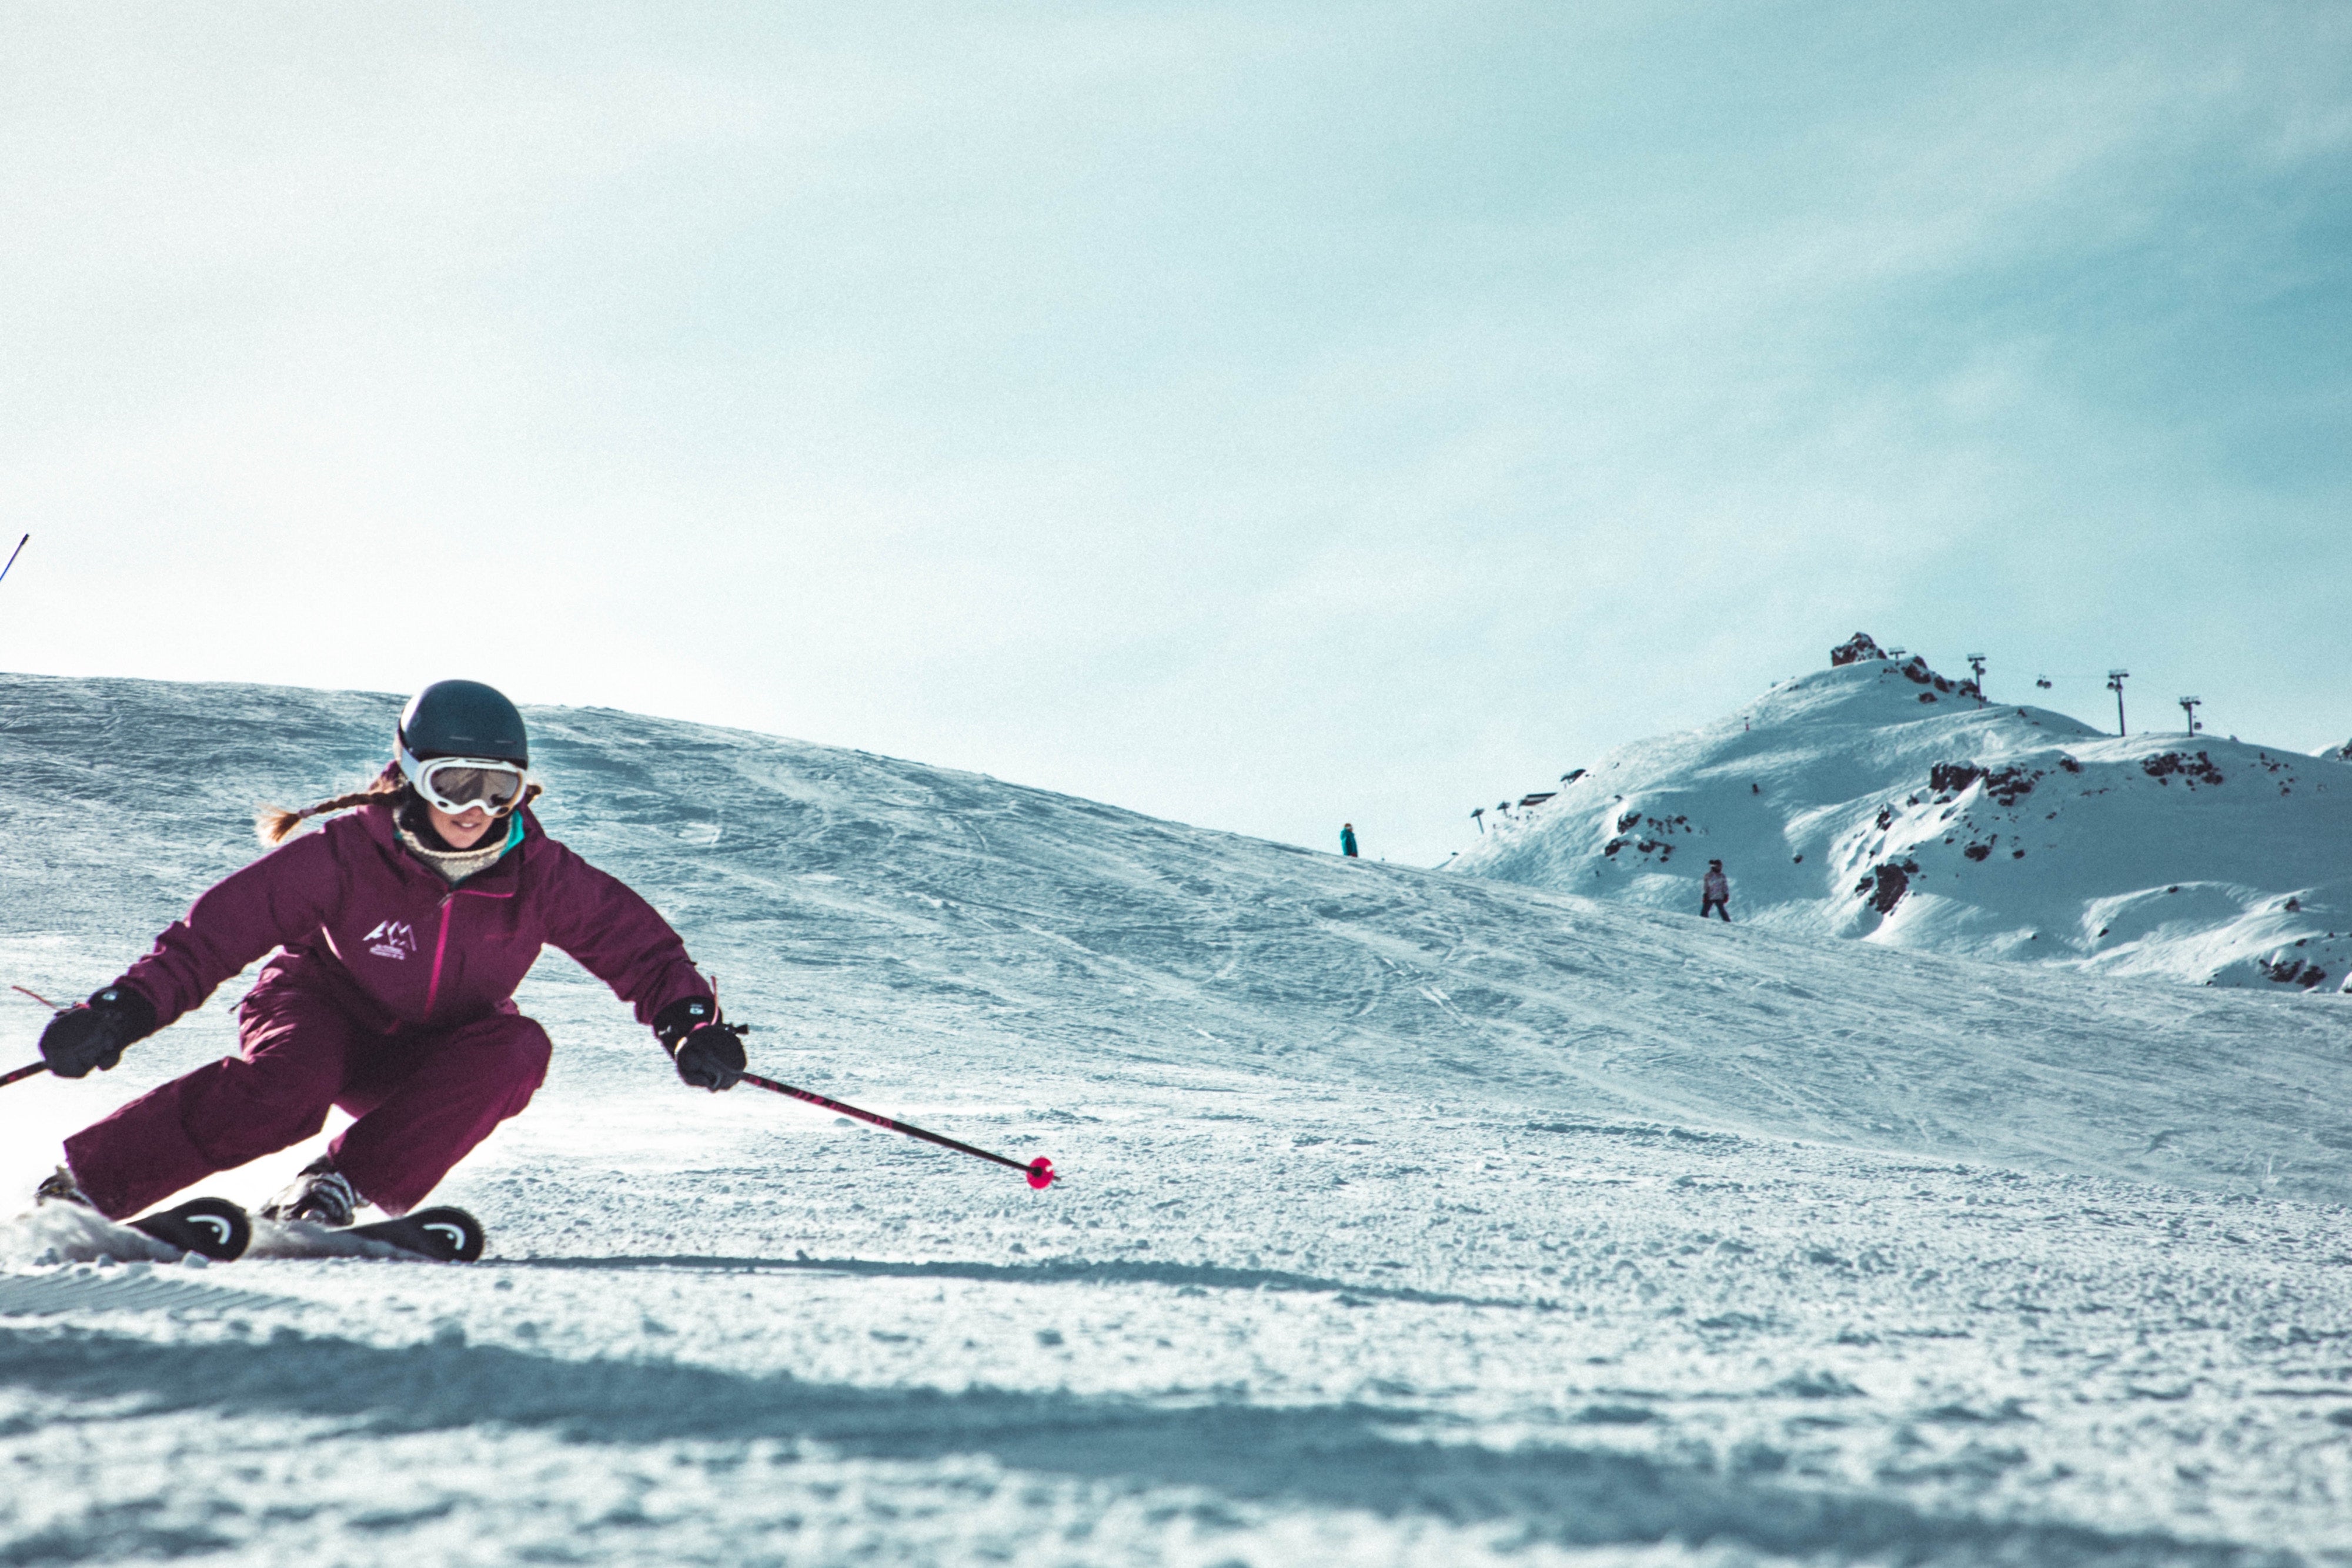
(1409, 1217)
(2160, 854)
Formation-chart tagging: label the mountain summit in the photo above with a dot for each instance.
(1879, 799)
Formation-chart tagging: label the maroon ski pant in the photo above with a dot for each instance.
(424, 1099)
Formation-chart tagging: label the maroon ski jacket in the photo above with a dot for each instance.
(364, 922)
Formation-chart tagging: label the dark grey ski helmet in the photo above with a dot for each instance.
(462, 718)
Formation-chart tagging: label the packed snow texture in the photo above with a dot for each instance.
(1409, 1218)
(1879, 799)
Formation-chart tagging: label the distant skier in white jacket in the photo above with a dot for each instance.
(1715, 892)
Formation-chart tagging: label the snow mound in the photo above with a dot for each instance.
(1881, 800)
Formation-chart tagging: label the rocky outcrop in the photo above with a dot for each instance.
(1917, 672)
(1951, 777)
(1855, 650)
(2007, 786)
(1886, 884)
(2165, 766)
(2290, 970)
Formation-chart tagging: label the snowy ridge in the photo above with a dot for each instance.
(1409, 1218)
(924, 915)
(1881, 800)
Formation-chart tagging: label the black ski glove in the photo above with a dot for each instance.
(93, 1034)
(707, 1051)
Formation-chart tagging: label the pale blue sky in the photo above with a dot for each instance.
(1258, 415)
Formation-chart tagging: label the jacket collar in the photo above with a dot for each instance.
(376, 821)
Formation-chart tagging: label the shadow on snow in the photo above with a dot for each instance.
(1335, 1455)
(1054, 1272)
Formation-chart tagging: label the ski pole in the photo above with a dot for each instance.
(1040, 1171)
(31, 1067)
(14, 554)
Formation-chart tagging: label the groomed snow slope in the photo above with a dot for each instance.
(1876, 800)
(1410, 1218)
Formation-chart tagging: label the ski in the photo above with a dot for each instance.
(444, 1235)
(212, 1225)
(430, 1235)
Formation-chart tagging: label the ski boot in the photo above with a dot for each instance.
(59, 1186)
(212, 1225)
(319, 1194)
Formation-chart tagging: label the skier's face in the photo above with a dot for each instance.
(460, 830)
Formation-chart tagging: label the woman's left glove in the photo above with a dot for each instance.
(93, 1034)
(707, 1050)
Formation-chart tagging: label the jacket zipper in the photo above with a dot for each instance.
(441, 942)
(440, 948)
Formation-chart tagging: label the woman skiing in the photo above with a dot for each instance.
(401, 930)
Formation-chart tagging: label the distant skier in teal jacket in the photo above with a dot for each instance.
(1347, 839)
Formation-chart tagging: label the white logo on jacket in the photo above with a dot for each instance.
(392, 939)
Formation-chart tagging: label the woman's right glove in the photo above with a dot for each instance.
(708, 1051)
(93, 1034)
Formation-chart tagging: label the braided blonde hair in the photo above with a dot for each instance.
(273, 823)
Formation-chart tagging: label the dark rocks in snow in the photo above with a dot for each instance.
(2291, 971)
(1661, 827)
(1855, 650)
(1951, 777)
(2007, 786)
(2070, 765)
(1982, 850)
(1886, 884)
(1917, 673)
(2010, 785)
(1885, 818)
(2165, 765)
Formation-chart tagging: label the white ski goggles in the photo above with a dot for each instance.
(458, 784)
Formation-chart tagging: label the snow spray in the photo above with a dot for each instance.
(1040, 1171)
